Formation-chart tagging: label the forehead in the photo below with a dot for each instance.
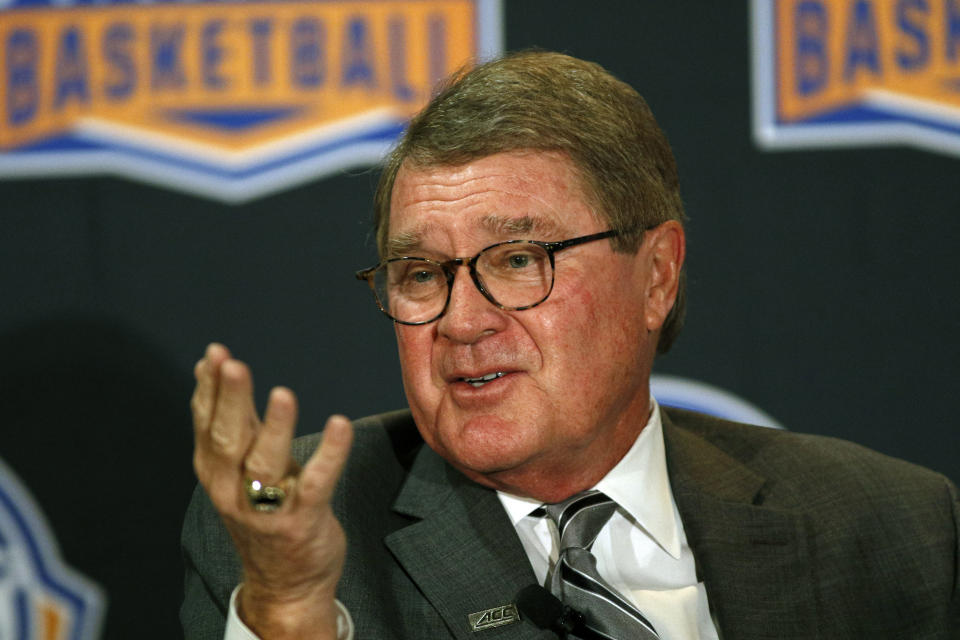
(506, 194)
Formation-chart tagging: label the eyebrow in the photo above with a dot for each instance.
(503, 225)
(403, 244)
(409, 242)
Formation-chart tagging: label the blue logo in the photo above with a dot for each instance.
(40, 597)
(684, 393)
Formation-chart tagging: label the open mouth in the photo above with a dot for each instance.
(482, 380)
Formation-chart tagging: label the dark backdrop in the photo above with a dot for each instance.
(823, 288)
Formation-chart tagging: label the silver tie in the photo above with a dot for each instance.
(575, 580)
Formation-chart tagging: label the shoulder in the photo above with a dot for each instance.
(384, 447)
(871, 536)
(390, 438)
(798, 467)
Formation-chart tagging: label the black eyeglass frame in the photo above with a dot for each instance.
(449, 268)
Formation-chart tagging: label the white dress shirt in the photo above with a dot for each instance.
(642, 551)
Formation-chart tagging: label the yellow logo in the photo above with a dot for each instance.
(835, 72)
(232, 100)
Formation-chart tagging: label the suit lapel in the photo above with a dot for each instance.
(756, 562)
(463, 553)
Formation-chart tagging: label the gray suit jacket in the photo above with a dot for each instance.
(795, 537)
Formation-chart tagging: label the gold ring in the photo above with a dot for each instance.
(263, 497)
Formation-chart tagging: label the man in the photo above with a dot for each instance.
(532, 245)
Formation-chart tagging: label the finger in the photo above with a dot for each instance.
(207, 372)
(268, 459)
(217, 354)
(234, 420)
(319, 476)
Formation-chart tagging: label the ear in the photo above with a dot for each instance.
(665, 247)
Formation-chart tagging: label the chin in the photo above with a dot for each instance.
(483, 445)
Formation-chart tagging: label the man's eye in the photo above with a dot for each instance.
(410, 276)
(421, 276)
(519, 260)
(511, 261)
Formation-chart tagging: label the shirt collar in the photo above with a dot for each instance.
(645, 467)
(517, 507)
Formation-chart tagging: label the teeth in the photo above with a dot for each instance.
(479, 382)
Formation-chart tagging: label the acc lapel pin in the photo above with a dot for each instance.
(495, 617)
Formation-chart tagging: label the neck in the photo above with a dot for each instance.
(553, 479)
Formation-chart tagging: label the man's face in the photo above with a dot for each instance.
(573, 393)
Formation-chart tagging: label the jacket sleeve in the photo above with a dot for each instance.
(954, 621)
(211, 570)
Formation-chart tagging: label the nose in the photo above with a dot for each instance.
(469, 316)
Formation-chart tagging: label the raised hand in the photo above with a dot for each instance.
(292, 554)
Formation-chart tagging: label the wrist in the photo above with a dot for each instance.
(274, 617)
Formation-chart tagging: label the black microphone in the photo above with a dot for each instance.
(547, 612)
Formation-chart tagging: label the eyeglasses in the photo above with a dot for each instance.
(514, 275)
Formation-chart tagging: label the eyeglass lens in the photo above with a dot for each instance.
(512, 274)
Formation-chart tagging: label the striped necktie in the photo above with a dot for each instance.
(575, 580)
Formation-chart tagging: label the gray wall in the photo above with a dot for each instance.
(823, 288)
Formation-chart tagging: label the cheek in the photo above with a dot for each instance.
(567, 332)
(414, 349)
(594, 332)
